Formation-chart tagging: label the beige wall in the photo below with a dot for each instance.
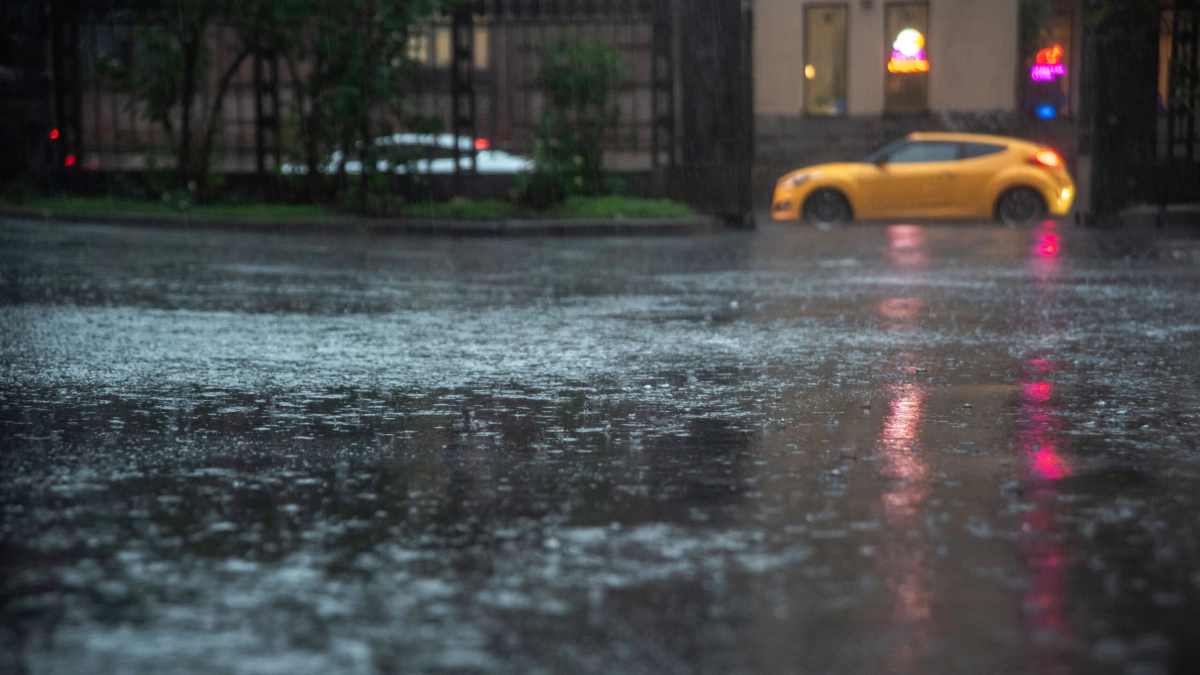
(972, 47)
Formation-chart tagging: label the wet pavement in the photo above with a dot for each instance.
(878, 449)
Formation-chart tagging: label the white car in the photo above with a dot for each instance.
(423, 154)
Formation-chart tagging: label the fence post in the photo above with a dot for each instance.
(266, 110)
(462, 89)
(64, 49)
(718, 113)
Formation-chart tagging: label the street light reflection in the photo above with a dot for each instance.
(906, 561)
(1039, 442)
(901, 461)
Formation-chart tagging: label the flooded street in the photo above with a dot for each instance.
(873, 449)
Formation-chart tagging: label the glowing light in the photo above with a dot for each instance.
(910, 43)
(53, 134)
(1048, 158)
(1048, 65)
(482, 144)
(69, 161)
(1038, 392)
(810, 72)
(1050, 55)
(1048, 245)
(1049, 465)
(1047, 72)
(908, 53)
(1047, 112)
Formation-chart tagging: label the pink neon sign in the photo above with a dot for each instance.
(1046, 72)
(1048, 65)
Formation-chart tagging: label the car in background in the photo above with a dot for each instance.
(422, 154)
(932, 175)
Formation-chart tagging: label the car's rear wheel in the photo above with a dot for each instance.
(827, 208)
(1020, 206)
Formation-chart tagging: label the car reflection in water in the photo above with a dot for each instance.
(932, 175)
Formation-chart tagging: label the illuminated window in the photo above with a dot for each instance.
(906, 76)
(418, 48)
(480, 46)
(434, 47)
(442, 47)
(825, 60)
(1047, 78)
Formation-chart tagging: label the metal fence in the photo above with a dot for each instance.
(477, 75)
(504, 40)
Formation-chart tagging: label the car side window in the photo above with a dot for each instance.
(973, 150)
(924, 151)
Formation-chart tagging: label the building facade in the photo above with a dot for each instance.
(833, 80)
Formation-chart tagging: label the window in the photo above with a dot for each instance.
(924, 151)
(906, 80)
(973, 150)
(1047, 74)
(825, 60)
(884, 151)
(434, 46)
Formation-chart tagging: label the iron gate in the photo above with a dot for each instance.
(691, 134)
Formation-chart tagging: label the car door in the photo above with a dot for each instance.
(916, 180)
(978, 163)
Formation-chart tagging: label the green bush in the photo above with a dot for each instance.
(20, 191)
(578, 77)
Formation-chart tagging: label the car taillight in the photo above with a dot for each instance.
(481, 144)
(1048, 159)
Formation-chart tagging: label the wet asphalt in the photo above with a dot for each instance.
(876, 449)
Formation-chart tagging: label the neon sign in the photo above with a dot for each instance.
(1048, 65)
(908, 53)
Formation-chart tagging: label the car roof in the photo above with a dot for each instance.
(438, 140)
(959, 137)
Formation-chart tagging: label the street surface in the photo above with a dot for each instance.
(875, 449)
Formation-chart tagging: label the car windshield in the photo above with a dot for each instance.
(884, 151)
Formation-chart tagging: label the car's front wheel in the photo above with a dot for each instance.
(1020, 205)
(827, 208)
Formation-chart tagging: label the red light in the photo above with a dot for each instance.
(1048, 159)
(481, 144)
(53, 134)
(1048, 245)
(69, 161)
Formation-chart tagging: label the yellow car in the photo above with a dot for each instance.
(931, 175)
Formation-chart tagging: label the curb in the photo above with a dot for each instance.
(1170, 215)
(696, 225)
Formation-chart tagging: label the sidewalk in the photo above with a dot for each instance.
(695, 225)
(1151, 216)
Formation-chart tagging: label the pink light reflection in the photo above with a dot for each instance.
(901, 459)
(900, 313)
(907, 245)
(906, 561)
(1048, 244)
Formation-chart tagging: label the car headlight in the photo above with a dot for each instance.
(799, 179)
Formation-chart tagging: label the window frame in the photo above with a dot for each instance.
(1070, 50)
(888, 40)
(815, 7)
(955, 145)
